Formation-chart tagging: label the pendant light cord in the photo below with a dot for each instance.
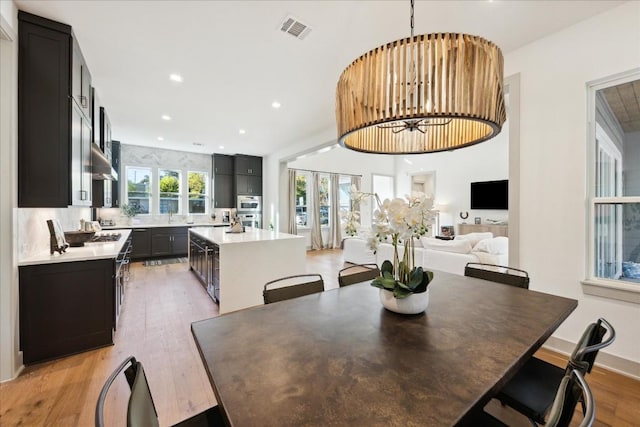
(412, 18)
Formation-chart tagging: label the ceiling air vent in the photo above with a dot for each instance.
(293, 26)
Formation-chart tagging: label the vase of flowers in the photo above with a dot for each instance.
(130, 211)
(403, 285)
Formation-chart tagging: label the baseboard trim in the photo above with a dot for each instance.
(622, 366)
(15, 375)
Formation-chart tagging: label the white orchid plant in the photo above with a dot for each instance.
(400, 222)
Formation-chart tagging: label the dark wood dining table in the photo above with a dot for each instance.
(339, 358)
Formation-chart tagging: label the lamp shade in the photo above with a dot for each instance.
(427, 93)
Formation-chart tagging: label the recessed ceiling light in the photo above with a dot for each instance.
(198, 144)
(160, 138)
(242, 131)
(222, 147)
(165, 117)
(176, 78)
(275, 104)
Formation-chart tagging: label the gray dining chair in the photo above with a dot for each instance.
(572, 389)
(141, 411)
(498, 273)
(357, 273)
(532, 390)
(292, 287)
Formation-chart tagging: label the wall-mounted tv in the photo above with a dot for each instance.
(490, 195)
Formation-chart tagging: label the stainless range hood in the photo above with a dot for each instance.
(101, 168)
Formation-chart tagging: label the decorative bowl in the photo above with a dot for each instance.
(77, 238)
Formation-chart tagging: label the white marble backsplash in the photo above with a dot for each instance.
(33, 232)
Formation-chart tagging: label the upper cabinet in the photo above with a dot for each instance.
(248, 165)
(222, 164)
(54, 120)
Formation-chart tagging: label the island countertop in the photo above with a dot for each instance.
(221, 237)
(90, 251)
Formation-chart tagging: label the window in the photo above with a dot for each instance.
(139, 188)
(325, 199)
(198, 192)
(169, 182)
(614, 189)
(344, 194)
(382, 185)
(301, 198)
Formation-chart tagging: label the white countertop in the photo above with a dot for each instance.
(219, 236)
(90, 251)
(165, 224)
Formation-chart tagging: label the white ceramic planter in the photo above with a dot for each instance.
(413, 304)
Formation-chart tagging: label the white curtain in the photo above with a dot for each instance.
(293, 227)
(313, 211)
(335, 234)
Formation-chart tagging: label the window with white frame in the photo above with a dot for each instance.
(614, 197)
(302, 179)
(169, 184)
(325, 199)
(198, 192)
(304, 182)
(139, 188)
(344, 194)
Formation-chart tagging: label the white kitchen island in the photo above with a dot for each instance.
(241, 263)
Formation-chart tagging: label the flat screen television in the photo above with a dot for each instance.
(490, 195)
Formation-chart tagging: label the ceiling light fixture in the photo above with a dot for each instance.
(221, 147)
(175, 78)
(165, 117)
(242, 131)
(160, 138)
(422, 94)
(275, 104)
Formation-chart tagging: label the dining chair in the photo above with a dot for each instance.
(498, 273)
(292, 287)
(572, 389)
(141, 411)
(357, 273)
(532, 390)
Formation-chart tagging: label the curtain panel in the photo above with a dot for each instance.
(313, 210)
(335, 225)
(292, 227)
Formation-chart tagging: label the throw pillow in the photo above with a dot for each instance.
(456, 246)
(631, 270)
(496, 246)
(474, 238)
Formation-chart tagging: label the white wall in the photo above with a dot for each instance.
(341, 160)
(454, 172)
(10, 360)
(553, 143)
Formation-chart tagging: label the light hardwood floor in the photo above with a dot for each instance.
(161, 302)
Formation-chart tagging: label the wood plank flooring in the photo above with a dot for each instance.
(161, 302)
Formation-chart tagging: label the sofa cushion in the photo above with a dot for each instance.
(457, 246)
(497, 246)
(474, 238)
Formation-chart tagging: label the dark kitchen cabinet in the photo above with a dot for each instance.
(223, 194)
(247, 165)
(222, 164)
(223, 191)
(167, 241)
(141, 243)
(54, 117)
(66, 308)
(103, 188)
(248, 184)
(115, 185)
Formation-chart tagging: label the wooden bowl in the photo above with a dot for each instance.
(78, 237)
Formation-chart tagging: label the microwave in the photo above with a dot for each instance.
(249, 204)
(251, 220)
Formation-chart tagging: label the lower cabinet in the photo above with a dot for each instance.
(169, 241)
(204, 261)
(66, 308)
(141, 243)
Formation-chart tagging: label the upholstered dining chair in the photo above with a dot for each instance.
(292, 287)
(141, 411)
(532, 390)
(572, 389)
(498, 273)
(357, 273)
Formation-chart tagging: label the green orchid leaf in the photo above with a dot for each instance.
(403, 286)
(386, 267)
(415, 277)
(400, 293)
(389, 283)
(387, 275)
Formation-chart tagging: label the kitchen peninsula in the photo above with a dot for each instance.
(234, 267)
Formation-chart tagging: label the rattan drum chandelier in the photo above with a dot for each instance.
(422, 94)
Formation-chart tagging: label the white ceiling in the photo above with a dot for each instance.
(235, 61)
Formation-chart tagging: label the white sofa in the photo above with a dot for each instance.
(450, 256)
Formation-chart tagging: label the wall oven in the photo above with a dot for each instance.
(251, 220)
(249, 204)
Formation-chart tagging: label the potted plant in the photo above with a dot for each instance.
(130, 211)
(403, 285)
